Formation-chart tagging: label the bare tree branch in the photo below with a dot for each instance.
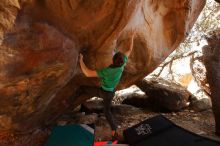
(170, 62)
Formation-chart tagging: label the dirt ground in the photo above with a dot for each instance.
(201, 123)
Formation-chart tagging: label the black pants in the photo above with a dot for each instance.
(107, 97)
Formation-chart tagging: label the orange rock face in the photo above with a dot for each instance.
(40, 41)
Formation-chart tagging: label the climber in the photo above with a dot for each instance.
(110, 77)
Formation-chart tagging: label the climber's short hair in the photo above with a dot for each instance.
(118, 59)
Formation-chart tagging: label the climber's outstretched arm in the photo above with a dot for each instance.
(128, 52)
(88, 72)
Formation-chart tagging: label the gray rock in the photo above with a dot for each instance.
(132, 91)
(96, 106)
(201, 104)
(137, 101)
(92, 106)
(165, 95)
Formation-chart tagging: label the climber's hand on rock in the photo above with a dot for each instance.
(80, 57)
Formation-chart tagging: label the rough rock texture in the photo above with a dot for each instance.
(40, 42)
(138, 101)
(92, 106)
(200, 104)
(164, 95)
(212, 63)
(138, 98)
(132, 91)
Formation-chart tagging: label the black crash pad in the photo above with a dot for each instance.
(159, 131)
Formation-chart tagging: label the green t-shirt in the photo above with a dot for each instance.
(110, 77)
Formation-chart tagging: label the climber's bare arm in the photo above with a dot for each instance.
(131, 43)
(88, 72)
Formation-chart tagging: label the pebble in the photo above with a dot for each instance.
(191, 111)
(201, 133)
(196, 118)
(173, 114)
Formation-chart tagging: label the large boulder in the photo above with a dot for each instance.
(40, 41)
(164, 95)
